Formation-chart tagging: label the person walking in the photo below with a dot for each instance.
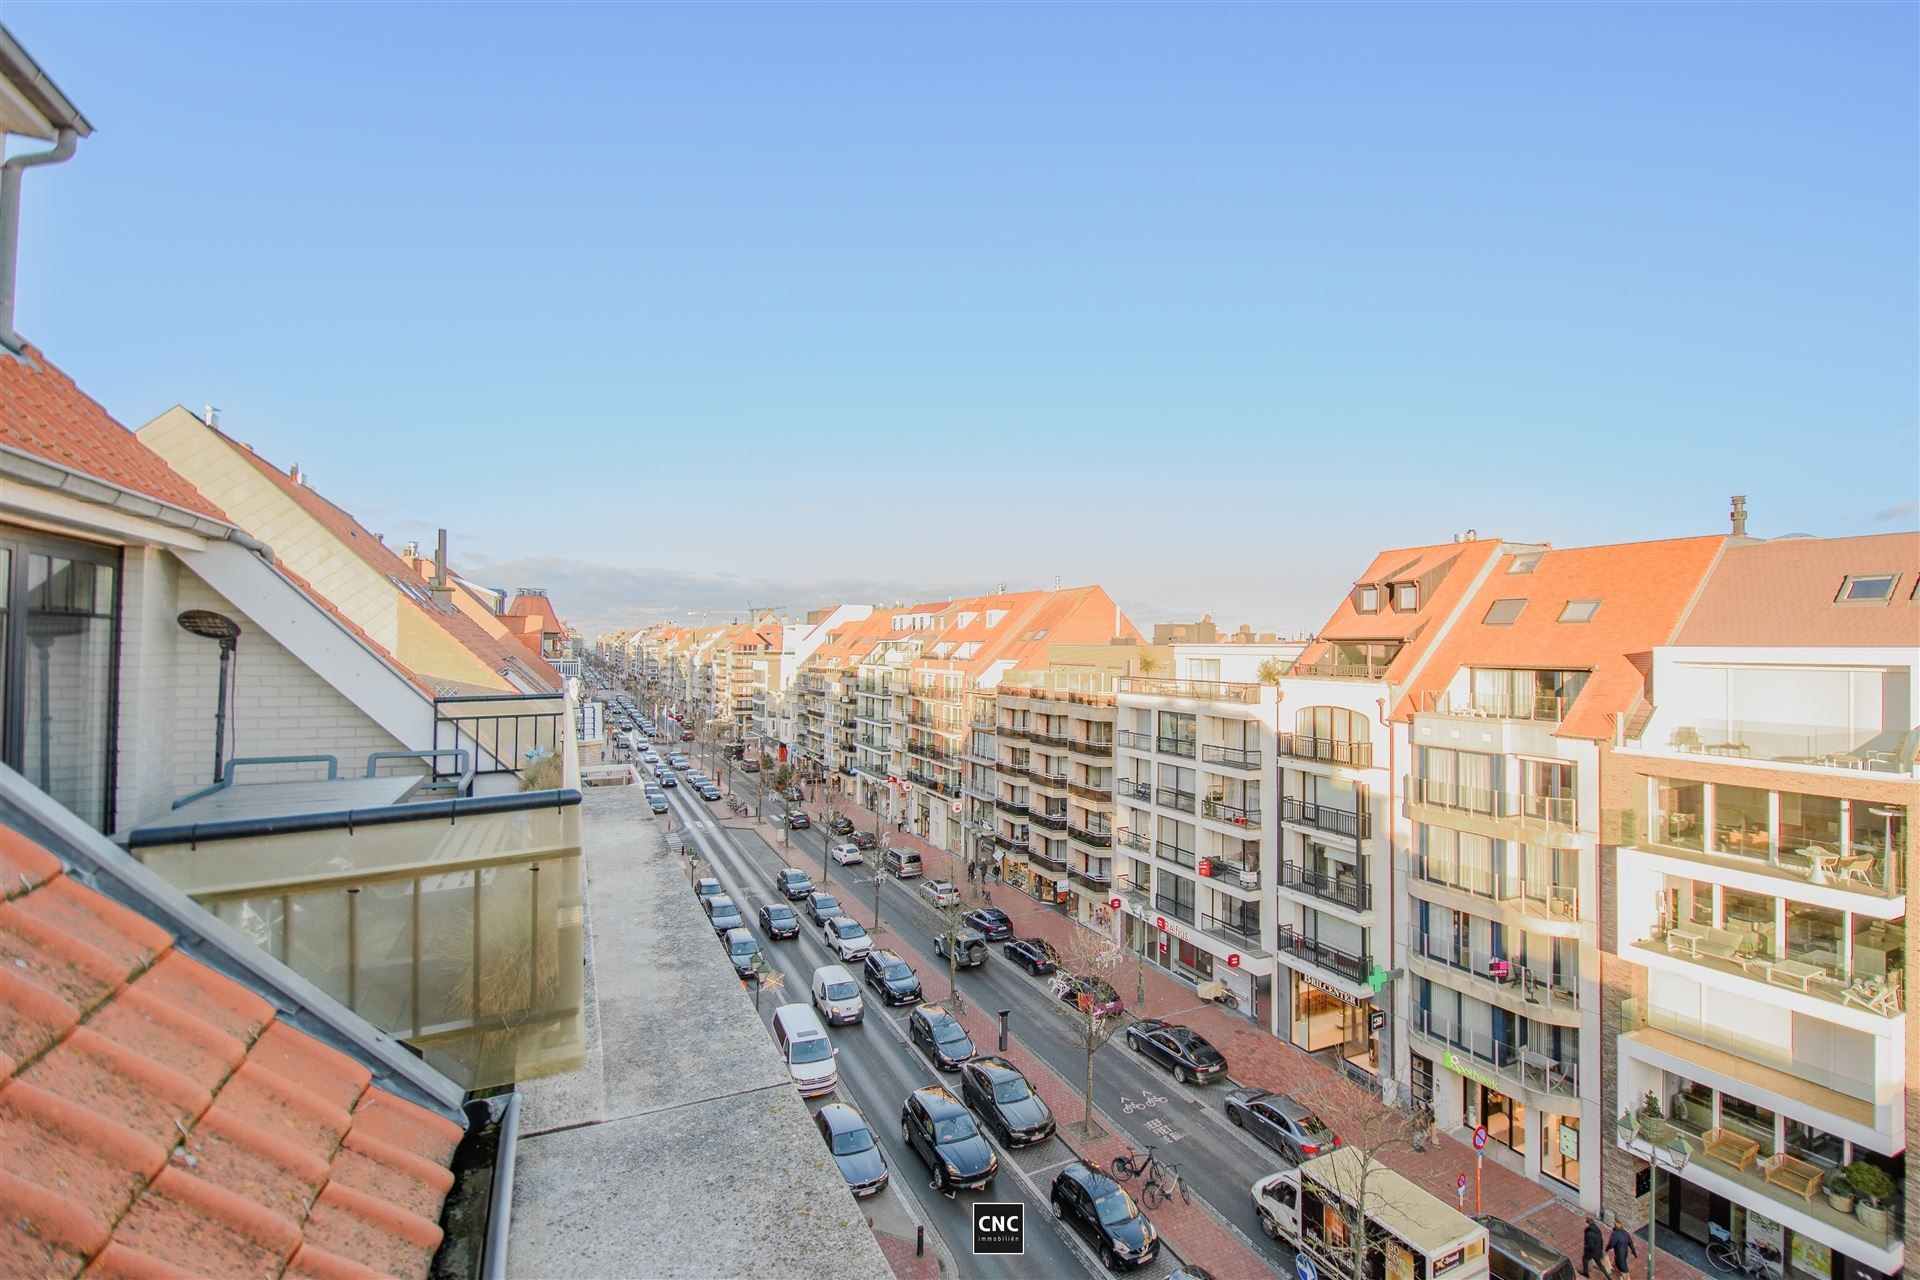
(1593, 1248)
(1621, 1245)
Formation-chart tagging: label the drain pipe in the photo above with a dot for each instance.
(493, 1260)
(64, 146)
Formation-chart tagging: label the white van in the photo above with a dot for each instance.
(903, 863)
(803, 1043)
(836, 995)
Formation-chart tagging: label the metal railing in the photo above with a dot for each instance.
(1496, 975)
(1352, 967)
(1221, 811)
(1348, 751)
(1537, 1070)
(1239, 927)
(1543, 707)
(1137, 842)
(1043, 851)
(1232, 757)
(1337, 669)
(1351, 892)
(1088, 747)
(1051, 821)
(1005, 805)
(1247, 877)
(1011, 730)
(1175, 798)
(1550, 811)
(1197, 690)
(1176, 746)
(1092, 839)
(1098, 878)
(1340, 822)
(1134, 741)
(1135, 790)
(1179, 910)
(1085, 792)
(1049, 739)
(1551, 900)
(1173, 853)
(505, 729)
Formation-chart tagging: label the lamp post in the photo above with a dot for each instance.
(1673, 1158)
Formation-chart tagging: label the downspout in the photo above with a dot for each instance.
(493, 1262)
(63, 148)
(1389, 1068)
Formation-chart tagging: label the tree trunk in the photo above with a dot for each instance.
(1086, 1120)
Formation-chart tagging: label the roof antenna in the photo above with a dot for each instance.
(212, 416)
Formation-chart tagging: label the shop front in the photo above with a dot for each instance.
(1326, 1018)
(1703, 1216)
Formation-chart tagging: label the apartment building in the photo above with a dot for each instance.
(1506, 721)
(824, 692)
(1760, 870)
(1196, 849)
(1339, 811)
(881, 707)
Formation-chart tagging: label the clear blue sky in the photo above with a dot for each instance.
(1203, 303)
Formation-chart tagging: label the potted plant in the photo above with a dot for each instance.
(1652, 1122)
(1839, 1199)
(1873, 1186)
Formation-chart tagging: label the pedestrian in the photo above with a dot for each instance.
(1621, 1245)
(1593, 1248)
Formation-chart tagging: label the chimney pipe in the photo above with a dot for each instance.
(63, 148)
(1739, 514)
(440, 561)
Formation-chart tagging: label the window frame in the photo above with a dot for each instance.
(1488, 620)
(1847, 584)
(1592, 608)
(1366, 598)
(1394, 591)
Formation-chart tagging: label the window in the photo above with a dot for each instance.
(1366, 599)
(1525, 564)
(1867, 588)
(1504, 613)
(1406, 597)
(1579, 610)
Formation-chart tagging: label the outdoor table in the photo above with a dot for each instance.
(1686, 938)
(1793, 971)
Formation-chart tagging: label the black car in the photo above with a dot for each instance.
(1280, 1122)
(940, 1034)
(823, 906)
(1182, 1050)
(657, 801)
(742, 950)
(724, 914)
(708, 792)
(892, 977)
(864, 840)
(779, 921)
(1105, 1216)
(664, 776)
(1095, 994)
(862, 1166)
(707, 887)
(1032, 954)
(793, 882)
(1001, 1096)
(797, 820)
(994, 924)
(942, 1131)
(840, 825)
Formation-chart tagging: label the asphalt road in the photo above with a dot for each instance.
(1188, 1125)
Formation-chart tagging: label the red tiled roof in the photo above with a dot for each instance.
(43, 413)
(156, 1118)
(1785, 593)
(1448, 568)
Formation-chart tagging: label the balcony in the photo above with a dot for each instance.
(1051, 821)
(1542, 708)
(1051, 781)
(1845, 1089)
(1045, 853)
(1060, 740)
(1171, 852)
(1088, 747)
(1091, 838)
(1374, 668)
(502, 729)
(1192, 690)
(1015, 845)
(1011, 807)
(1132, 741)
(1349, 891)
(1130, 789)
(1011, 730)
(1182, 911)
(1239, 931)
(1135, 841)
(1812, 972)
(1343, 751)
(1175, 747)
(1354, 968)
(1233, 873)
(1339, 822)
(1221, 811)
(1503, 814)
(1832, 746)
(1864, 864)
(1506, 983)
(1541, 902)
(1174, 798)
(1514, 1067)
(1094, 795)
(1231, 757)
(1094, 876)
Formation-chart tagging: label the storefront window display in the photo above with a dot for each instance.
(1327, 1019)
(1560, 1149)
(1505, 1118)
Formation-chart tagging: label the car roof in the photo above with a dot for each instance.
(938, 1100)
(778, 906)
(822, 893)
(740, 935)
(704, 881)
(884, 954)
(795, 871)
(967, 935)
(837, 921)
(1096, 1183)
(995, 912)
(1280, 1102)
(934, 1013)
(841, 1118)
(996, 1066)
(832, 973)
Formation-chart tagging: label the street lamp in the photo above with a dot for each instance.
(1673, 1157)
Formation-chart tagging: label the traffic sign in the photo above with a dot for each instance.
(1480, 1137)
(1303, 1267)
(1460, 1183)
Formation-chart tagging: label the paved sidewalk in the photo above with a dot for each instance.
(1266, 1062)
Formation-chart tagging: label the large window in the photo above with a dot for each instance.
(58, 607)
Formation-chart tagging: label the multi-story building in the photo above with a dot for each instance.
(1759, 875)
(1339, 816)
(1500, 942)
(1195, 845)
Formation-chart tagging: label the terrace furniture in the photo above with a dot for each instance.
(1687, 940)
(1822, 863)
(1794, 1174)
(1873, 995)
(1857, 869)
(1727, 944)
(1729, 1147)
(1794, 973)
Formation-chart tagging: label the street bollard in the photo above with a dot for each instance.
(1003, 1029)
(919, 1241)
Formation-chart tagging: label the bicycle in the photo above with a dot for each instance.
(1163, 1178)
(1746, 1259)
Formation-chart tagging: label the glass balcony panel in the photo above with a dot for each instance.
(1741, 821)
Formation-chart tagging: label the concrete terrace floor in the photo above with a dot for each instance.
(679, 1148)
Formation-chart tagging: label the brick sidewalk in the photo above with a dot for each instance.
(1266, 1062)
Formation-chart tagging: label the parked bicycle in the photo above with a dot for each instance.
(1163, 1178)
(1747, 1259)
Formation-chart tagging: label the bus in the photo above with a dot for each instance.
(1410, 1234)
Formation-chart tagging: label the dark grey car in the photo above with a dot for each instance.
(862, 1165)
(1280, 1122)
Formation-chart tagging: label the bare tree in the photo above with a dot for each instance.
(1354, 1175)
(1091, 956)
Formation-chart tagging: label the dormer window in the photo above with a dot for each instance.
(1366, 599)
(1867, 588)
(1579, 610)
(1406, 597)
(1525, 564)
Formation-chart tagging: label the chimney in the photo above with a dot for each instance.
(293, 473)
(1739, 514)
(442, 588)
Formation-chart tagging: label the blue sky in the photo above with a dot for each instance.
(670, 306)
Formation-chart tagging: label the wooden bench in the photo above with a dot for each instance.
(1794, 1174)
(1729, 1147)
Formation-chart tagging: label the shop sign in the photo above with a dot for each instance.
(1461, 1067)
(1376, 1019)
(1333, 991)
(1569, 1141)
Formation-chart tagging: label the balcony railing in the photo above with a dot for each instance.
(1559, 812)
(1094, 877)
(1195, 690)
(1221, 811)
(1051, 821)
(1532, 1069)
(1832, 746)
(1340, 822)
(1245, 929)
(1496, 976)
(1050, 854)
(1050, 739)
(1176, 747)
(1344, 669)
(1347, 751)
(1173, 853)
(1088, 747)
(1091, 838)
(502, 729)
(1351, 892)
(1543, 707)
(1135, 790)
(1174, 798)
(1013, 844)
(1352, 967)
(1247, 877)
(1016, 808)
(1547, 900)
(1137, 842)
(1231, 757)
(1179, 910)
(1052, 781)
(1099, 795)
(1011, 730)
(1134, 741)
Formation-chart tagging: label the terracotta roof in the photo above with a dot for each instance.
(530, 606)
(1032, 622)
(157, 1119)
(354, 536)
(1644, 589)
(43, 413)
(1448, 570)
(1784, 593)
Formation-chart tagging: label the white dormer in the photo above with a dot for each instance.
(994, 616)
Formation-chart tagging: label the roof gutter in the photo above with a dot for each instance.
(17, 464)
(66, 142)
(493, 1261)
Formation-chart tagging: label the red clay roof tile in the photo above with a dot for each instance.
(193, 1224)
(372, 1232)
(24, 865)
(44, 1232)
(396, 1121)
(273, 1171)
(391, 1173)
(127, 938)
(34, 1018)
(79, 974)
(146, 1096)
(220, 1002)
(100, 1166)
(117, 1262)
(277, 1104)
(150, 1024)
(307, 1064)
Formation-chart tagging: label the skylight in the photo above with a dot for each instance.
(1504, 613)
(1579, 610)
(1525, 564)
(1867, 588)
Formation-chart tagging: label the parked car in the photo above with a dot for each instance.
(892, 977)
(795, 794)
(1001, 1097)
(935, 1124)
(846, 853)
(841, 825)
(708, 791)
(846, 938)
(657, 801)
(1280, 1122)
(1181, 1050)
(836, 996)
(822, 906)
(1035, 955)
(797, 820)
(864, 840)
(723, 914)
(664, 777)
(1515, 1254)
(679, 761)
(707, 887)
(742, 949)
(940, 1035)
(777, 920)
(993, 923)
(1094, 994)
(1105, 1216)
(793, 882)
(863, 1167)
(969, 948)
(942, 893)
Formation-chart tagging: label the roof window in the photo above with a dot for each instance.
(1579, 610)
(1504, 613)
(1406, 597)
(1366, 599)
(1525, 564)
(1867, 588)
